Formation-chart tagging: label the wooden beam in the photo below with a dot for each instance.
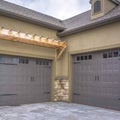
(59, 52)
(27, 38)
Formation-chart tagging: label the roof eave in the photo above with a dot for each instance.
(89, 26)
(116, 2)
(31, 20)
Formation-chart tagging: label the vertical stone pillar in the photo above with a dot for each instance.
(61, 89)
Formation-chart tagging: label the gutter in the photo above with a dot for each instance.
(89, 26)
(116, 2)
(31, 20)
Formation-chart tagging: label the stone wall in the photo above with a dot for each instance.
(61, 90)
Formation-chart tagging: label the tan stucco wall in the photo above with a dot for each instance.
(106, 6)
(104, 37)
(96, 15)
(101, 38)
(24, 49)
(21, 49)
(26, 27)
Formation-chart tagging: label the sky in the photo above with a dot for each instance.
(61, 9)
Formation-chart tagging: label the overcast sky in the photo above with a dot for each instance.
(61, 9)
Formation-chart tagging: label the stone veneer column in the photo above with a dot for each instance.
(61, 89)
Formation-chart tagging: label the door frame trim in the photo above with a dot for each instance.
(90, 50)
(16, 54)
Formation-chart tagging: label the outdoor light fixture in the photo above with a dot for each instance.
(12, 35)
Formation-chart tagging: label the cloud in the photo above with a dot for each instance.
(61, 9)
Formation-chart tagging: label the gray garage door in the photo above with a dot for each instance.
(24, 80)
(96, 79)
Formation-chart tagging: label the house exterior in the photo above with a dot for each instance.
(86, 73)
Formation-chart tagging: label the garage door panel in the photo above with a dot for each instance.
(7, 79)
(7, 89)
(83, 100)
(25, 80)
(8, 100)
(110, 103)
(97, 78)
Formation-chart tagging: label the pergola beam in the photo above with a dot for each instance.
(26, 38)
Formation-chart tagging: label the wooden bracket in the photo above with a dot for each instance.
(59, 51)
(11, 35)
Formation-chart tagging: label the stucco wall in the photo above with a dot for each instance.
(104, 37)
(96, 15)
(26, 27)
(106, 6)
(21, 49)
(24, 49)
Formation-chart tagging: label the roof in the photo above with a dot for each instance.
(72, 25)
(25, 14)
(114, 1)
(83, 21)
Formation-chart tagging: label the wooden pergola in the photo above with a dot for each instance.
(11, 35)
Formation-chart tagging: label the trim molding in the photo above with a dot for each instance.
(95, 49)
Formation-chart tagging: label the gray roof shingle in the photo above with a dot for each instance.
(83, 21)
(75, 24)
(28, 15)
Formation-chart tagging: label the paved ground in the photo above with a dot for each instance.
(57, 111)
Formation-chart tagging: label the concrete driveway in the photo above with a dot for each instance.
(57, 111)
